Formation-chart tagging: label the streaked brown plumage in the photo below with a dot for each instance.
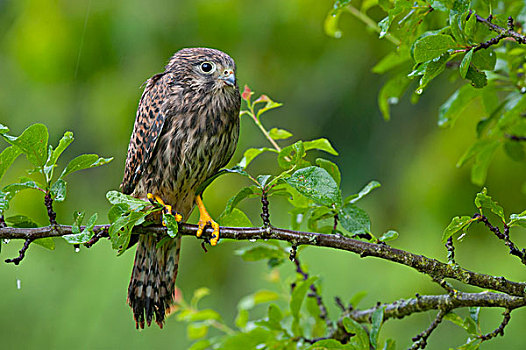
(186, 128)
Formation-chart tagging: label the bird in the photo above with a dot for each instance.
(186, 129)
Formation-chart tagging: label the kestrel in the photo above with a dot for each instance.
(186, 129)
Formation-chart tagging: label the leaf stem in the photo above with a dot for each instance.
(372, 24)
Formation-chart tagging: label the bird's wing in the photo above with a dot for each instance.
(146, 131)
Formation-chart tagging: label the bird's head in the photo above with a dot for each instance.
(204, 69)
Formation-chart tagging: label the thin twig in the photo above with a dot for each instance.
(48, 201)
(420, 340)
(500, 328)
(516, 137)
(505, 236)
(265, 215)
(21, 253)
(315, 294)
(507, 32)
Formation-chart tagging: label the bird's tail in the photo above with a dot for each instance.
(152, 288)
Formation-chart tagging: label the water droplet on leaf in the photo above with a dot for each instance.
(392, 100)
(77, 249)
(18, 283)
(252, 240)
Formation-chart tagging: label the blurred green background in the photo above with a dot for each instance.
(78, 65)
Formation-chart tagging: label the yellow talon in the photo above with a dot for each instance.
(206, 220)
(167, 207)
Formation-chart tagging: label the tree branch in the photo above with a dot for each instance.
(503, 32)
(428, 266)
(423, 303)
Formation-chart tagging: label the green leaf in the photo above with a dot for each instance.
(514, 108)
(360, 340)
(456, 319)
(484, 201)
(298, 295)
(21, 221)
(317, 184)
(259, 252)
(273, 321)
(390, 61)
(326, 344)
(7, 157)
(391, 92)
(251, 154)
(471, 26)
(484, 59)
(291, 155)
(64, 142)
(199, 294)
(241, 319)
(464, 65)
(363, 192)
(260, 297)
(449, 112)
(518, 219)
(116, 197)
(33, 143)
(270, 104)
(482, 161)
(201, 345)
(354, 219)
(13, 189)
(390, 344)
(4, 201)
(390, 235)
(120, 229)
(3, 129)
(433, 69)
(331, 25)
(248, 340)
(478, 78)
(172, 226)
(117, 211)
(279, 134)
(47, 243)
(458, 223)
(58, 190)
(356, 298)
(86, 233)
(432, 46)
(245, 192)
(84, 161)
(236, 218)
(455, 21)
(320, 144)
(197, 330)
(515, 150)
(274, 317)
(331, 168)
(201, 315)
(376, 322)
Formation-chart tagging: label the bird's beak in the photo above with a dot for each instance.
(228, 77)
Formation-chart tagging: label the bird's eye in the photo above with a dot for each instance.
(208, 67)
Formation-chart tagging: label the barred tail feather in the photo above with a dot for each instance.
(152, 286)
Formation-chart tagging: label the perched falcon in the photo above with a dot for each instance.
(186, 129)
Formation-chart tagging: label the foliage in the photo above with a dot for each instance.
(432, 39)
(43, 158)
(474, 44)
